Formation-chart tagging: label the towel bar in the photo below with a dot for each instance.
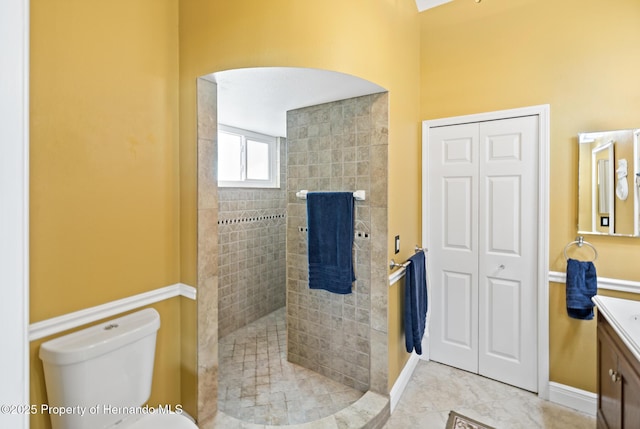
(393, 264)
(359, 195)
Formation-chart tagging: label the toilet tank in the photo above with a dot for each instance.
(101, 373)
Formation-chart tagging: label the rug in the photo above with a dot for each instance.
(458, 421)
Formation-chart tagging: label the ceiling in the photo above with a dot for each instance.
(428, 4)
(257, 99)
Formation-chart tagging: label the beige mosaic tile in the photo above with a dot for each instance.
(258, 385)
(334, 337)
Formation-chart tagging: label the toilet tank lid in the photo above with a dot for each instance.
(100, 339)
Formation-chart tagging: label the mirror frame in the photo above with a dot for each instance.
(597, 184)
(632, 177)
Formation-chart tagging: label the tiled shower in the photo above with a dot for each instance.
(259, 246)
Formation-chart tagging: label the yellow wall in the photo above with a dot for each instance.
(104, 190)
(581, 57)
(377, 40)
(104, 169)
(398, 356)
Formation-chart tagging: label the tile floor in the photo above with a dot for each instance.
(257, 385)
(435, 389)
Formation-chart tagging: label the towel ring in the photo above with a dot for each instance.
(579, 242)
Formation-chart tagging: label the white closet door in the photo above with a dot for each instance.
(482, 234)
(508, 251)
(453, 248)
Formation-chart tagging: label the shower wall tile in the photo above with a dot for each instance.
(207, 175)
(207, 255)
(379, 296)
(330, 149)
(207, 99)
(252, 227)
(379, 168)
(379, 366)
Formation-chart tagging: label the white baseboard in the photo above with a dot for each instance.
(405, 375)
(403, 379)
(581, 400)
(55, 325)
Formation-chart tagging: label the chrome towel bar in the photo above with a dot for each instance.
(393, 264)
(359, 195)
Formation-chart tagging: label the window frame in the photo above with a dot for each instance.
(274, 159)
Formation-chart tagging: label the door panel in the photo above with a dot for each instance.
(457, 150)
(508, 233)
(610, 396)
(457, 197)
(453, 322)
(503, 319)
(459, 331)
(482, 228)
(630, 380)
(503, 212)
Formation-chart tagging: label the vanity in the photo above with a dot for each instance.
(609, 205)
(618, 363)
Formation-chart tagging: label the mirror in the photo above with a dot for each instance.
(609, 183)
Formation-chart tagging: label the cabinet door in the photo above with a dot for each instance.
(610, 391)
(630, 394)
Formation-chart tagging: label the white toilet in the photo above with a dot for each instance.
(100, 377)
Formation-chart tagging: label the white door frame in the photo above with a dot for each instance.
(14, 209)
(542, 111)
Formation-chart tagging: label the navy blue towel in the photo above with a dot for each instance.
(582, 285)
(415, 302)
(330, 241)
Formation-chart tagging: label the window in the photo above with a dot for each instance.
(247, 159)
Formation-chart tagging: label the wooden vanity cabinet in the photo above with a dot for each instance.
(618, 381)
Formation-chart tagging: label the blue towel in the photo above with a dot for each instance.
(330, 241)
(415, 302)
(582, 285)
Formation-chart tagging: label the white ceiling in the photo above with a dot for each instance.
(428, 4)
(257, 99)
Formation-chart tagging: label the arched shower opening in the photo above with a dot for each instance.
(333, 136)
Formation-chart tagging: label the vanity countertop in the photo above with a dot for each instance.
(624, 316)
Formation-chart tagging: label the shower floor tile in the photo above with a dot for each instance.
(258, 385)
